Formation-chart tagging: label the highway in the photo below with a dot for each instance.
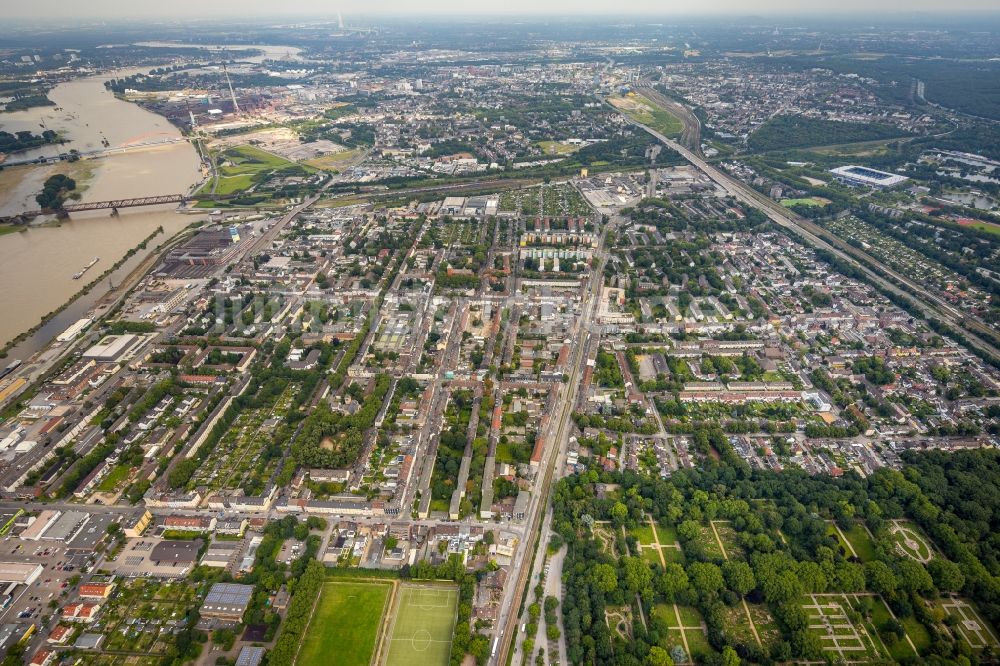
(691, 135)
(931, 304)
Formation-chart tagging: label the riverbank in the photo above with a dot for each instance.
(37, 264)
(83, 292)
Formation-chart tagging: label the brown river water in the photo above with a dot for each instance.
(37, 265)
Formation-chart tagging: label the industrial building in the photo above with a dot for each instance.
(114, 348)
(22, 573)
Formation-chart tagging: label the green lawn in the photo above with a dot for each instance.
(114, 477)
(863, 544)
(649, 554)
(643, 533)
(246, 165)
(345, 625)
(984, 226)
(667, 535)
(557, 148)
(917, 632)
(423, 626)
(689, 616)
(698, 642)
(899, 649)
(788, 203)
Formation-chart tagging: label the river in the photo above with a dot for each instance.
(37, 265)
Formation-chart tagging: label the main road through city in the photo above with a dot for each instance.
(556, 439)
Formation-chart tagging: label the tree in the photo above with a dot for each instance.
(946, 574)
(678, 654)
(674, 581)
(880, 578)
(729, 657)
(619, 514)
(913, 577)
(638, 576)
(605, 577)
(706, 578)
(658, 657)
(479, 647)
(739, 577)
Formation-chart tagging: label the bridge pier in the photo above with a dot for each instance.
(114, 211)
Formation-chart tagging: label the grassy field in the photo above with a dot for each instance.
(557, 148)
(693, 631)
(423, 626)
(345, 625)
(245, 165)
(863, 544)
(984, 226)
(898, 649)
(643, 110)
(667, 535)
(643, 534)
(114, 477)
(810, 201)
(334, 161)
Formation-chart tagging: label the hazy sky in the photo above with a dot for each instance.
(248, 8)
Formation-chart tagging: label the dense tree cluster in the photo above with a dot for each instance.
(330, 439)
(787, 131)
(785, 549)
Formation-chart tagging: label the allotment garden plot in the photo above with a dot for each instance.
(248, 454)
(142, 615)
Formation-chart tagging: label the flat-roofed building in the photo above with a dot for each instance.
(114, 348)
(221, 554)
(176, 552)
(37, 528)
(22, 573)
(227, 602)
(67, 526)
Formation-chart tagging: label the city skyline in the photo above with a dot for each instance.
(100, 9)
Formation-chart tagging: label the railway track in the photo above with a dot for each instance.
(977, 333)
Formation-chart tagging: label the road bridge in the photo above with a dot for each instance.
(98, 152)
(113, 205)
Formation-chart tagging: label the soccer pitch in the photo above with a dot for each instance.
(423, 626)
(344, 628)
